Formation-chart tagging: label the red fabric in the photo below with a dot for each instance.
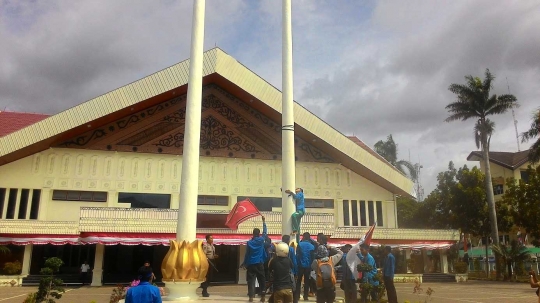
(369, 234)
(241, 211)
(12, 121)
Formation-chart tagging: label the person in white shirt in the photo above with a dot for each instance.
(84, 270)
(210, 251)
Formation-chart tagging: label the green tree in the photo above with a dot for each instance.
(512, 255)
(524, 201)
(533, 132)
(50, 288)
(407, 212)
(389, 150)
(475, 102)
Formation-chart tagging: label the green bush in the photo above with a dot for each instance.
(13, 268)
(461, 267)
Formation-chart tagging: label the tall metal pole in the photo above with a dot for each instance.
(288, 174)
(186, 229)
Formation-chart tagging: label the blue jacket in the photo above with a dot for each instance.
(143, 293)
(255, 252)
(368, 276)
(389, 266)
(304, 253)
(300, 205)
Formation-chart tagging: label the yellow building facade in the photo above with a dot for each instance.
(100, 182)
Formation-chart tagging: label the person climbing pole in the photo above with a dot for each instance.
(298, 197)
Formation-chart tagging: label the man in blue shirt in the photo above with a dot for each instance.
(304, 253)
(388, 275)
(348, 282)
(367, 277)
(144, 292)
(254, 261)
(298, 196)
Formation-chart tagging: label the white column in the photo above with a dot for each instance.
(288, 173)
(27, 259)
(444, 261)
(3, 211)
(408, 257)
(97, 271)
(44, 203)
(186, 229)
(426, 261)
(112, 199)
(17, 204)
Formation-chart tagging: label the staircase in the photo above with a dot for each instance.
(438, 278)
(68, 279)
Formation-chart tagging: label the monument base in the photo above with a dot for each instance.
(182, 291)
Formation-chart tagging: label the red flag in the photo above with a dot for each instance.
(369, 234)
(241, 211)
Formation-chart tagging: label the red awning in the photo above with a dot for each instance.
(15, 239)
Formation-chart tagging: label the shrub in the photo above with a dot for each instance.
(461, 267)
(13, 268)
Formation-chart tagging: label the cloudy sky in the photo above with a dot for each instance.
(368, 68)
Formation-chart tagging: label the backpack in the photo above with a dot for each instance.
(326, 276)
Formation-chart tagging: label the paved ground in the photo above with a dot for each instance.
(472, 292)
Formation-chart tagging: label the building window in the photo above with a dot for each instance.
(380, 216)
(363, 213)
(23, 203)
(263, 203)
(2, 198)
(354, 205)
(75, 195)
(346, 220)
(12, 201)
(145, 200)
(213, 200)
(525, 176)
(34, 208)
(371, 213)
(498, 189)
(319, 203)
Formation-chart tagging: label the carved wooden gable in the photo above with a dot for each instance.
(229, 128)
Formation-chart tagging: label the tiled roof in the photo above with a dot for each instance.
(371, 151)
(505, 159)
(13, 121)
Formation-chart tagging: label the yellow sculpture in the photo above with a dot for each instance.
(184, 262)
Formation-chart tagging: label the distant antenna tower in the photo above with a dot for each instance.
(514, 117)
(419, 188)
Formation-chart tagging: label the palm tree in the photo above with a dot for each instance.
(388, 150)
(534, 132)
(512, 254)
(4, 249)
(474, 102)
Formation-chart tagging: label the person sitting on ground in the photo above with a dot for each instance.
(145, 292)
(324, 267)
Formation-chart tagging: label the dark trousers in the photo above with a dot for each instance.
(390, 289)
(373, 293)
(209, 276)
(349, 288)
(326, 295)
(255, 271)
(84, 277)
(303, 272)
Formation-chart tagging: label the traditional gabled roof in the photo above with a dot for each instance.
(13, 121)
(505, 159)
(219, 68)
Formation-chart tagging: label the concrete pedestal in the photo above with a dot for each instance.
(182, 291)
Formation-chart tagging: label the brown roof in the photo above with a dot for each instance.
(13, 121)
(504, 159)
(371, 151)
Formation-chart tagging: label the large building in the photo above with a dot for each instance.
(100, 181)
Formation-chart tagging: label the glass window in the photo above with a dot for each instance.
(85, 196)
(59, 195)
(346, 220)
(23, 203)
(12, 201)
(371, 213)
(263, 203)
(354, 211)
(213, 200)
(100, 196)
(319, 203)
(2, 198)
(34, 209)
(73, 195)
(145, 200)
(525, 176)
(498, 189)
(363, 213)
(380, 216)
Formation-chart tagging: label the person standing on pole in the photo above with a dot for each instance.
(298, 196)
